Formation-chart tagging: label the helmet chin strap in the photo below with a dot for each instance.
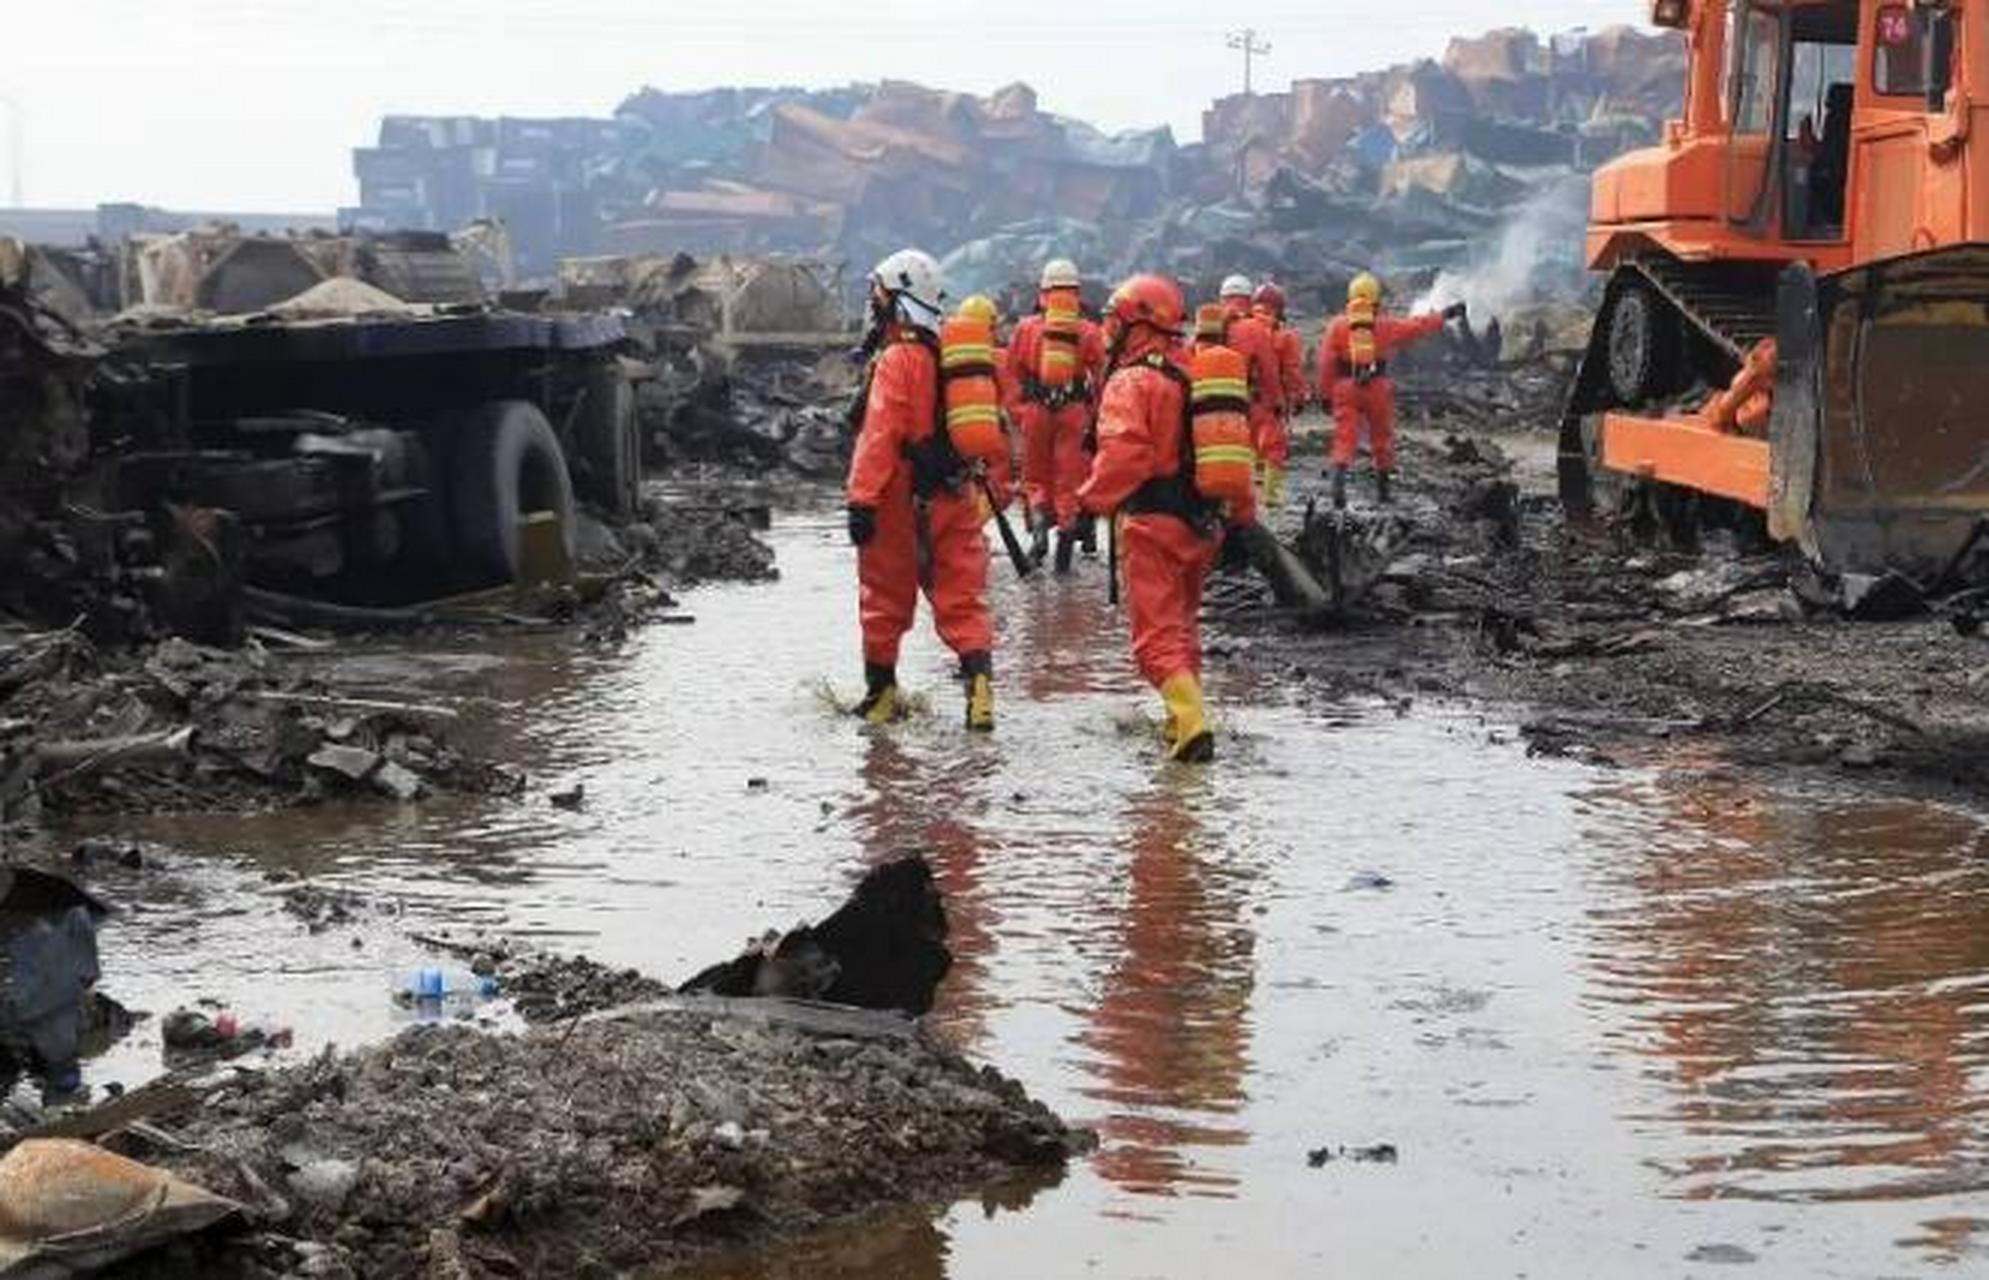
(905, 304)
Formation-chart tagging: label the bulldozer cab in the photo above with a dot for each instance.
(1790, 82)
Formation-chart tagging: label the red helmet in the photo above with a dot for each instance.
(1271, 298)
(1150, 300)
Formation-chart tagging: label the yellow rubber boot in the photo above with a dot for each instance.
(1194, 741)
(980, 703)
(1274, 486)
(882, 703)
(978, 670)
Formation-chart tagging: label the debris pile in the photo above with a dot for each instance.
(183, 726)
(764, 413)
(1405, 168)
(1611, 644)
(618, 1143)
(627, 1128)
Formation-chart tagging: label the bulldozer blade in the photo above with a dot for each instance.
(1880, 426)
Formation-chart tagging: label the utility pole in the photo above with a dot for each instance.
(1252, 48)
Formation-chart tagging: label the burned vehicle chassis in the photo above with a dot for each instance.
(364, 460)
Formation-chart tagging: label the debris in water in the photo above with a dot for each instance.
(885, 948)
(1379, 1153)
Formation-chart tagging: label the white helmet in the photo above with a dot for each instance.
(913, 281)
(1061, 273)
(1236, 287)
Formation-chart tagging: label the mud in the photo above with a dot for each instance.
(1613, 649)
(677, 1133)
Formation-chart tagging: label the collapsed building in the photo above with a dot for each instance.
(1413, 167)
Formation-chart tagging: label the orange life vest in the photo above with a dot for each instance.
(1057, 361)
(1219, 423)
(971, 399)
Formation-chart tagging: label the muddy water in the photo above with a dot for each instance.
(1608, 1024)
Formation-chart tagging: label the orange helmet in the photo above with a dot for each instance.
(1151, 300)
(1271, 298)
(1211, 322)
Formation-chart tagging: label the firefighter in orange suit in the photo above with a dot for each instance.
(1353, 378)
(1145, 469)
(1274, 445)
(1248, 333)
(914, 513)
(1057, 358)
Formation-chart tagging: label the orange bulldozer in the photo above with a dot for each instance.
(1794, 336)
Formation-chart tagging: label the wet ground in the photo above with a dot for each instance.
(1376, 995)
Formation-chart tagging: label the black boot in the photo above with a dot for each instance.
(1381, 494)
(1039, 537)
(1087, 534)
(1066, 548)
(1339, 488)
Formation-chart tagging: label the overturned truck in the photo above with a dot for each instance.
(374, 454)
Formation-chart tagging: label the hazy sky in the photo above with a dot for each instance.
(254, 104)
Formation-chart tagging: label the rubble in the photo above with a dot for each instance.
(183, 726)
(1404, 168)
(620, 1142)
(1605, 646)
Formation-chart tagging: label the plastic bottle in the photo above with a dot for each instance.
(438, 983)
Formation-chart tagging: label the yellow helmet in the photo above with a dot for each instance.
(980, 307)
(1364, 288)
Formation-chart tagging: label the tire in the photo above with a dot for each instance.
(608, 442)
(1643, 346)
(507, 463)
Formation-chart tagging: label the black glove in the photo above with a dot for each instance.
(862, 525)
(1455, 311)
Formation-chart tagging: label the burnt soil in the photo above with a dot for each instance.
(1606, 646)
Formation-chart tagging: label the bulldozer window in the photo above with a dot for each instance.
(1900, 59)
(1817, 125)
(1756, 59)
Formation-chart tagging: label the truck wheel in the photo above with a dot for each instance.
(608, 438)
(507, 464)
(1643, 346)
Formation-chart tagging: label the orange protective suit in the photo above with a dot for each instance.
(921, 540)
(1373, 400)
(1054, 460)
(1258, 341)
(1142, 437)
(1291, 362)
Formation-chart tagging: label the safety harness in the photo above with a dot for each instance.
(1175, 495)
(937, 466)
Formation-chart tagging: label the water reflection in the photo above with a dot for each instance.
(1808, 978)
(1171, 1026)
(909, 804)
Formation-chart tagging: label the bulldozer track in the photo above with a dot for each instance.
(1729, 308)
